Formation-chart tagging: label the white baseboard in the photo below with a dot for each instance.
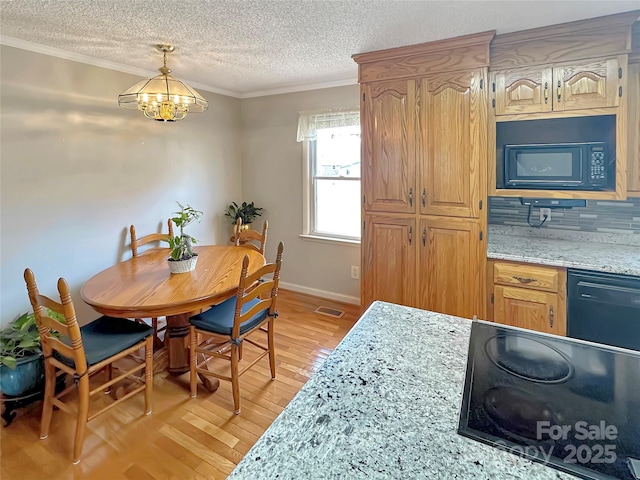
(320, 293)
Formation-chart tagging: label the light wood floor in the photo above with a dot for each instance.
(183, 438)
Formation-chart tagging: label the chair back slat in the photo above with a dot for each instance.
(243, 238)
(70, 329)
(151, 238)
(247, 291)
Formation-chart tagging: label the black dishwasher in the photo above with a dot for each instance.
(604, 308)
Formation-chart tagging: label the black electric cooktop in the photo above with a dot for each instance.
(570, 404)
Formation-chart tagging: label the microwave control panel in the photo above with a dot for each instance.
(598, 166)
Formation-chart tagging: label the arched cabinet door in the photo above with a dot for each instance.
(388, 146)
(522, 90)
(591, 85)
(453, 143)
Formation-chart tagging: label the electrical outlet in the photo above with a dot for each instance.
(355, 272)
(545, 212)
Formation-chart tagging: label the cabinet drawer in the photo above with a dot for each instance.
(539, 278)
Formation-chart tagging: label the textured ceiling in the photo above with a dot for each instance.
(254, 47)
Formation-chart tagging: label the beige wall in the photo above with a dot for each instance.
(272, 177)
(77, 170)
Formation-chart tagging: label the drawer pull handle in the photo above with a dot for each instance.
(411, 197)
(524, 279)
(551, 317)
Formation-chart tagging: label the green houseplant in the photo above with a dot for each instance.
(247, 212)
(182, 258)
(21, 364)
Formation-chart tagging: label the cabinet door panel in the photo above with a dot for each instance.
(453, 143)
(591, 85)
(526, 90)
(525, 308)
(388, 146)
(389, 262)
(451, 266)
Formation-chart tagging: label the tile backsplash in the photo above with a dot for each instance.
(598, 216)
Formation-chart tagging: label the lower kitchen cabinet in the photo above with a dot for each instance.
(434, 263)
(525, 308)
(389, 259)
(529, 296)
(450, 261)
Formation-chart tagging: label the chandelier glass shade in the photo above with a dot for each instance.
(163, 97)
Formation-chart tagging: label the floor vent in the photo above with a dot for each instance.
(330, 312)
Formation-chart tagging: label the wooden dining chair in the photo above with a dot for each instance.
(82, 352)
(135, 244)
(250, 238)
(225, 327)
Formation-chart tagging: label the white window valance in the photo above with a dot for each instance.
(310, 121)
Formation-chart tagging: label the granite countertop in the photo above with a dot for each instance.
(385, 404)
(584, 252)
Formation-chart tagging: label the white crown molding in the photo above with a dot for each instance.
(96, 62)
(299, 88)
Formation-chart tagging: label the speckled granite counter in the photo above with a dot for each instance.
(385, 405)
(573, 251)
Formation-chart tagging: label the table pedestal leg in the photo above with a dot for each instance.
(177, 341)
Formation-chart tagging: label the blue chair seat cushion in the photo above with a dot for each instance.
(219, 318)
(108, 336)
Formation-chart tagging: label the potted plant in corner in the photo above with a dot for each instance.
(21, 365)
(247, 212)
(182, 258)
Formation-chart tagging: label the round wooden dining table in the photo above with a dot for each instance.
(143, 287)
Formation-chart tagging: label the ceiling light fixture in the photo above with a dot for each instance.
(163, 97)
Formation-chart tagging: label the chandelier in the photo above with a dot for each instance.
(163, 97)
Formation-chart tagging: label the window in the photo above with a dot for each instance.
(332, 176)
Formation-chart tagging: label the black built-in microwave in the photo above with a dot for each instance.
(559, 166)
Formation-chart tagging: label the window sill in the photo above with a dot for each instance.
(330, 240)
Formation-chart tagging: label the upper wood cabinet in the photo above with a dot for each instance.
(389, 259)
(388, 146)
(451, 260)
(591, 85)
(453, 142)
(523, 90)
(579, 86)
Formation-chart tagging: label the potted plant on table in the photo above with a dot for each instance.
(183, 259)
(21, 362)
(247, 212)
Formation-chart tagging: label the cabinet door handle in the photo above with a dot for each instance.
(424, 237)
(559, 91)
(424, 197)
(410, 235)
(523, 279)
(411, 197)
(551, 316)
(546, 92)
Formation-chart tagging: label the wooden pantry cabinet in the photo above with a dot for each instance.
(424, 153)
(528, 296)
(388, 146)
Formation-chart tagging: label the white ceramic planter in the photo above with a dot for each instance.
(183, 266)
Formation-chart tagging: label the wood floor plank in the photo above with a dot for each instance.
(183, 438)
